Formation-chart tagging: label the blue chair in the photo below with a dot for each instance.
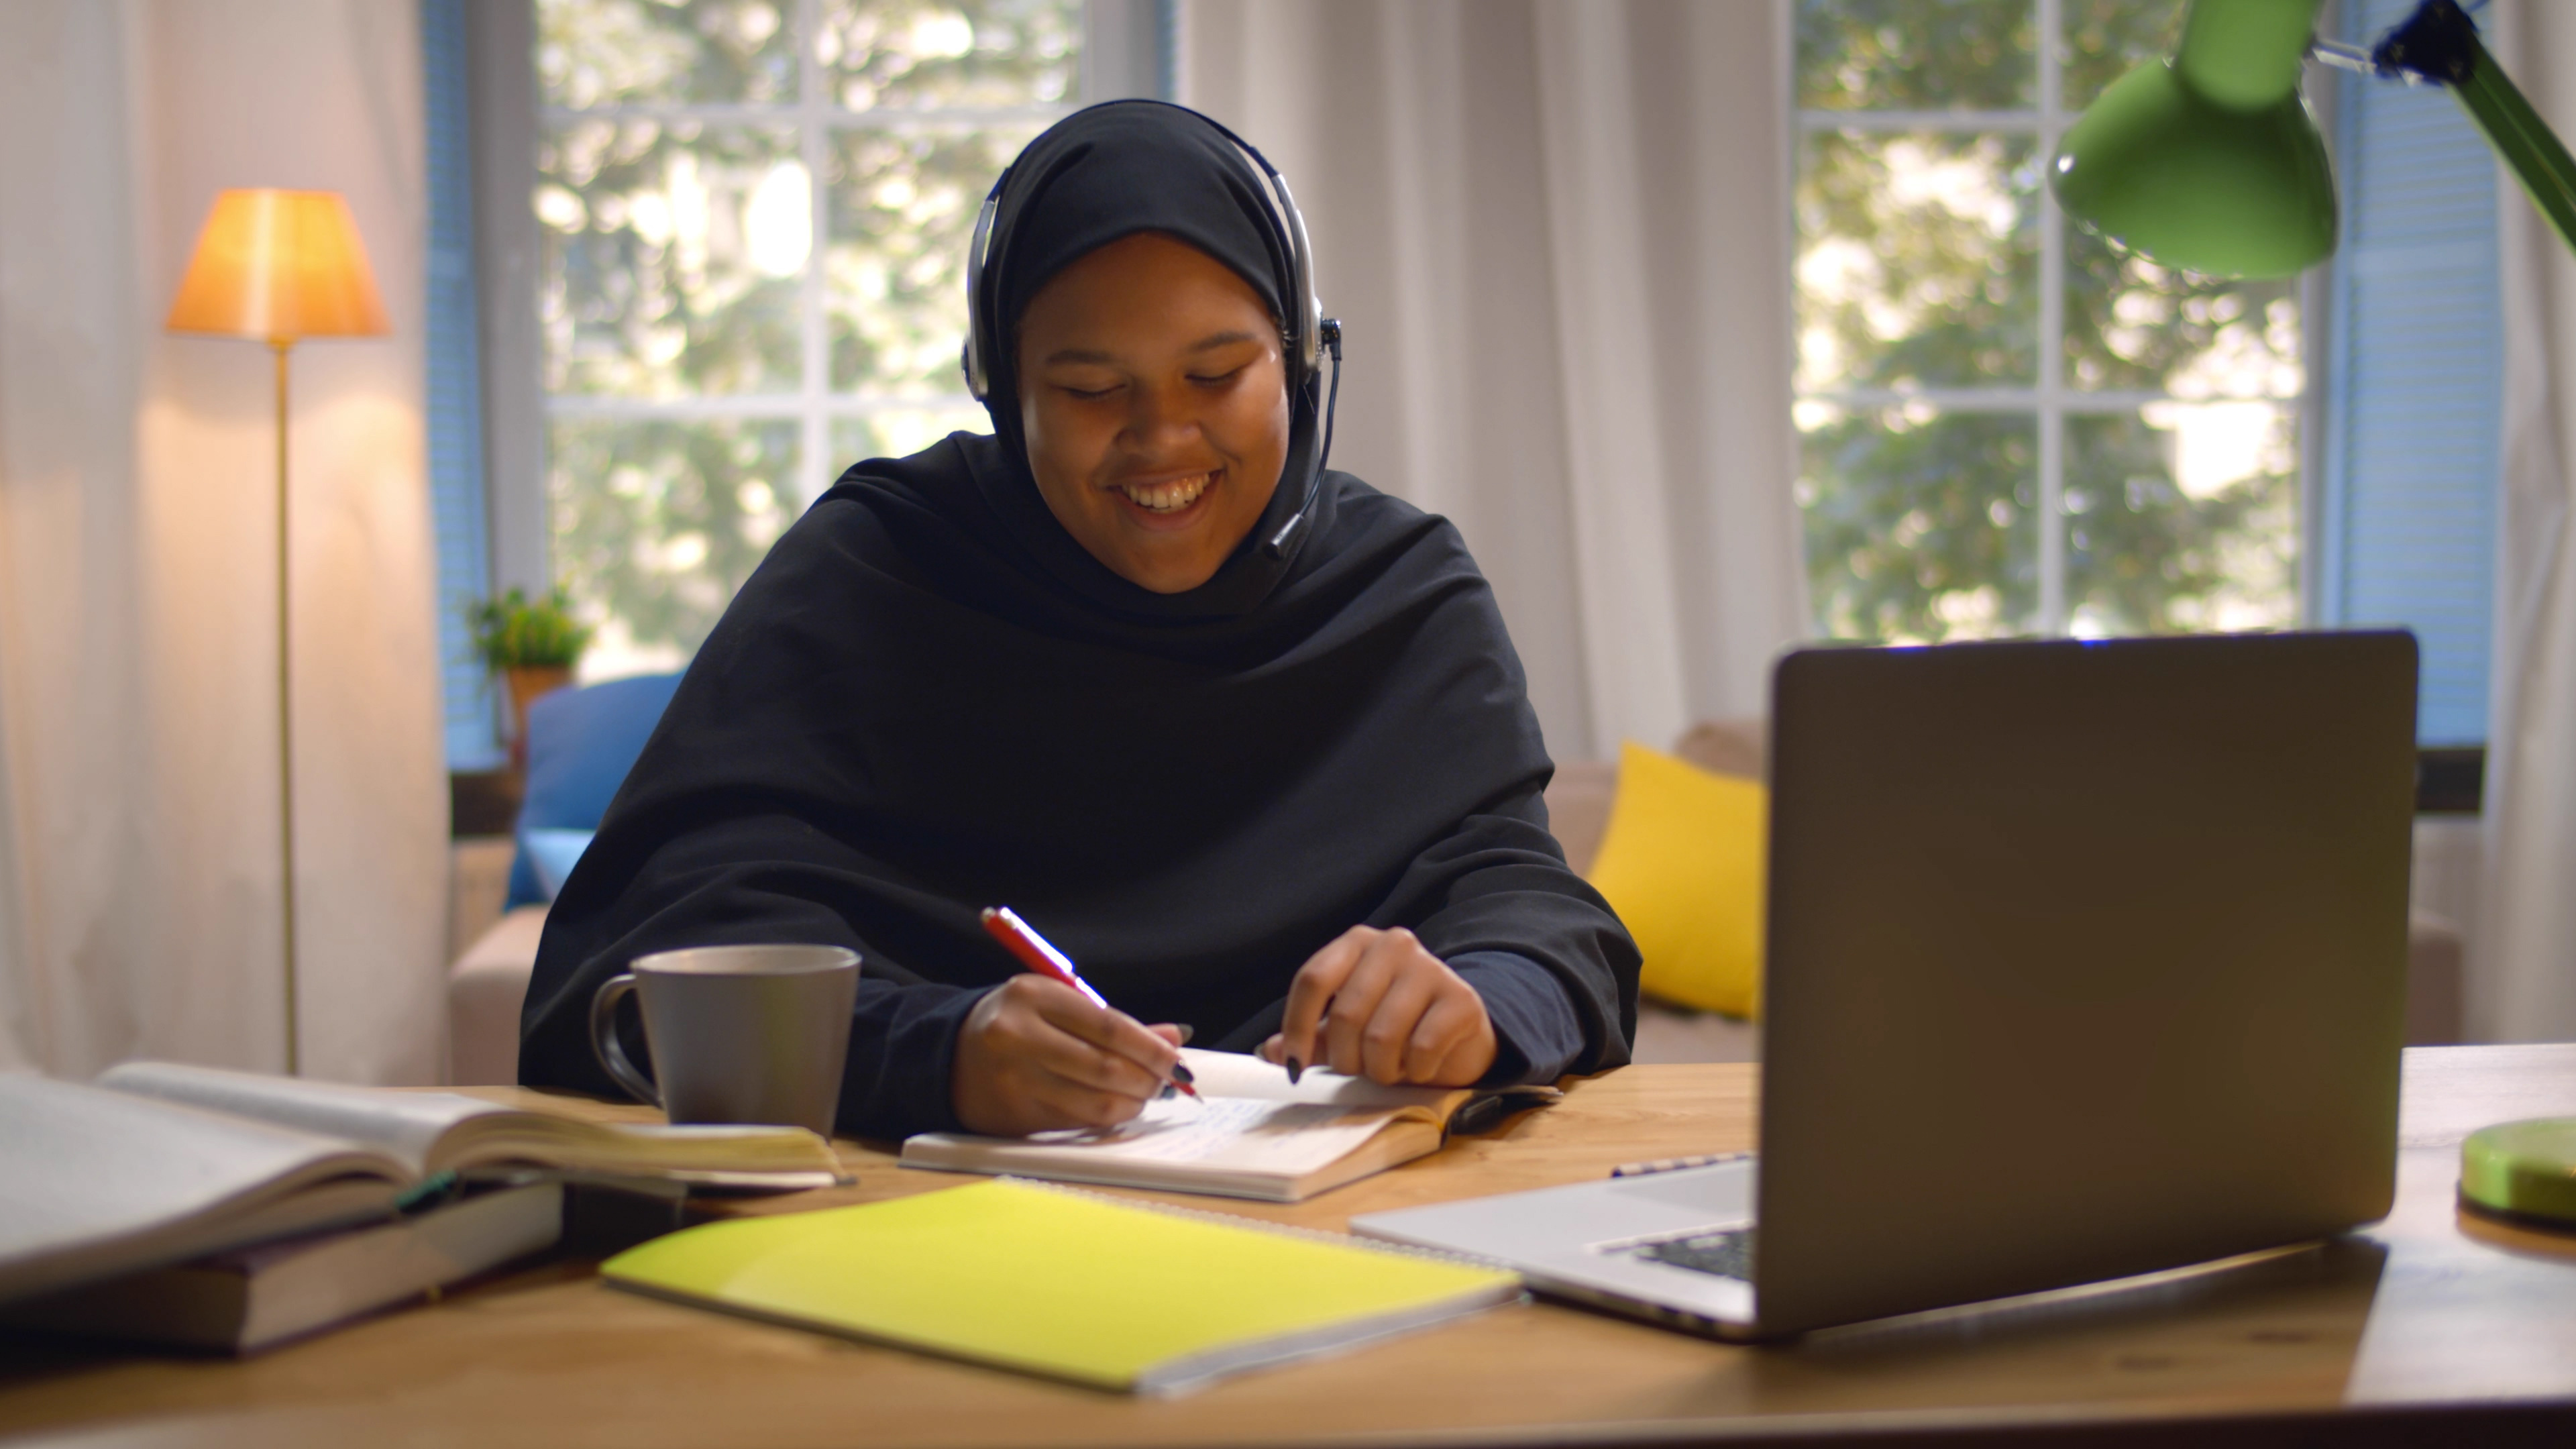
(581, 743)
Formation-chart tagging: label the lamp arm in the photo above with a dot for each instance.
(2529, 148)
(2439, 43)
(2342, 56)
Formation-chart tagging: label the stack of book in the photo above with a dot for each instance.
(232, 1211)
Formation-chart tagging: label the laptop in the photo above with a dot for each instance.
(2085, 959)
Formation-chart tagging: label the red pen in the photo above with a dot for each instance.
(1043, 958)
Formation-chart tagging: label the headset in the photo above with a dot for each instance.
(1309, 335)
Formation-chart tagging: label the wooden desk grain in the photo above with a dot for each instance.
(2412, 1311)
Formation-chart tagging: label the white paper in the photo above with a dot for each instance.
(404, 1125)
(1285, 1137)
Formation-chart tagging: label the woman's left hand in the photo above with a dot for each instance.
(1376, 1004)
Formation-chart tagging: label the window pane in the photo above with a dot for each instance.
(2133, 324)
(901, 434)
(658, 522)
(671, 258)
(2105, 39)
(668, 52)
(958, 53)
(1918, 261)
(902, 213)
(2182, 516)
(1916, 55)
(1920, 525)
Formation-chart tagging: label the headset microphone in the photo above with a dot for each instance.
(1329, 332)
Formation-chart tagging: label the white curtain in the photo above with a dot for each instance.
(139, 867)
(1558, 233)
(2523, 974)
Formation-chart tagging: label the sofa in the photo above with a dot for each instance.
(490, 976)
(581, 743)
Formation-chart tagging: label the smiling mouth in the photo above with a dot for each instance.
(1171, 495)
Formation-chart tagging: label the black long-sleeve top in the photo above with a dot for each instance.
(927, 700)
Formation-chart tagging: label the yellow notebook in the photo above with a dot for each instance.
(1061, 1283)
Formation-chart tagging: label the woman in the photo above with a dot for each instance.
(1244, 737)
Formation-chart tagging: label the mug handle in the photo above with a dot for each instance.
(604, 1043)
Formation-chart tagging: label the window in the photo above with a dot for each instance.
(2006, 426)
(2413, 441)
(754, 218)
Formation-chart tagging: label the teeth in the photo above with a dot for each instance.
(1169, 497)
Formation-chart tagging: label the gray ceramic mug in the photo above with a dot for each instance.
(738, 1033)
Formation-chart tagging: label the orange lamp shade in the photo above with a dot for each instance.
(279, 265)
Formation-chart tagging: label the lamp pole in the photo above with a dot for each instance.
(286, 727)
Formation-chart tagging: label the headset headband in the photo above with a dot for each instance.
(1304, 322)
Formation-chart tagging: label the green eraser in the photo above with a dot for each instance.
(2527, 1169)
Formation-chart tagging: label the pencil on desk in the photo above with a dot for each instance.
(1675, 1164)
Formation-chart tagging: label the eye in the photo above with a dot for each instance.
(1218, 379)
(1087, 394)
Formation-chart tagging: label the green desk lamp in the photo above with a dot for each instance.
(2212, 163)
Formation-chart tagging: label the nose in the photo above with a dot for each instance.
(1160, 416)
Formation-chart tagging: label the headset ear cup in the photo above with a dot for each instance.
(1306, 308)
(974, 362)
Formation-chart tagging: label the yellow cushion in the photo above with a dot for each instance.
(1682, 864)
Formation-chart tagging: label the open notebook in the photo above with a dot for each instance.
(1256, 1135)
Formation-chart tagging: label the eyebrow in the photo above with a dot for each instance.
(1080, 355)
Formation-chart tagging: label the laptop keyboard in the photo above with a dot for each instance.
(1726, 1253)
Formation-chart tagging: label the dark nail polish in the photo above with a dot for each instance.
(1296, 1069)
(1181, 1074)
(1187, 1031)
(1168, 1093)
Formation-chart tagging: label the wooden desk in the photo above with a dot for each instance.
(2411, 1312)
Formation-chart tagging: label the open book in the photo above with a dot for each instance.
(1256, 1135)
(156, 1163)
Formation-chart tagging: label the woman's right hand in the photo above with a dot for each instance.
(1034, 1056)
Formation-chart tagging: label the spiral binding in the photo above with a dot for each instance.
(1289, 1230)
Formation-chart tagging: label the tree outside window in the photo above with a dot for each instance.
(754, 217)
(2007, 426)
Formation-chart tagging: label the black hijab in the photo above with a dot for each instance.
(930, 698)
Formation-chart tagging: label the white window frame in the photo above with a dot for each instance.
(2052, 401)
(1124, 53)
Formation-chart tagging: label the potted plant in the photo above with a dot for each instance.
(532, 644)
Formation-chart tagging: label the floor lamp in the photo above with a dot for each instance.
(278, 267)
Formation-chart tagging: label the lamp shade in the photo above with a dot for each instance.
(279, 265)
(2211, 161)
